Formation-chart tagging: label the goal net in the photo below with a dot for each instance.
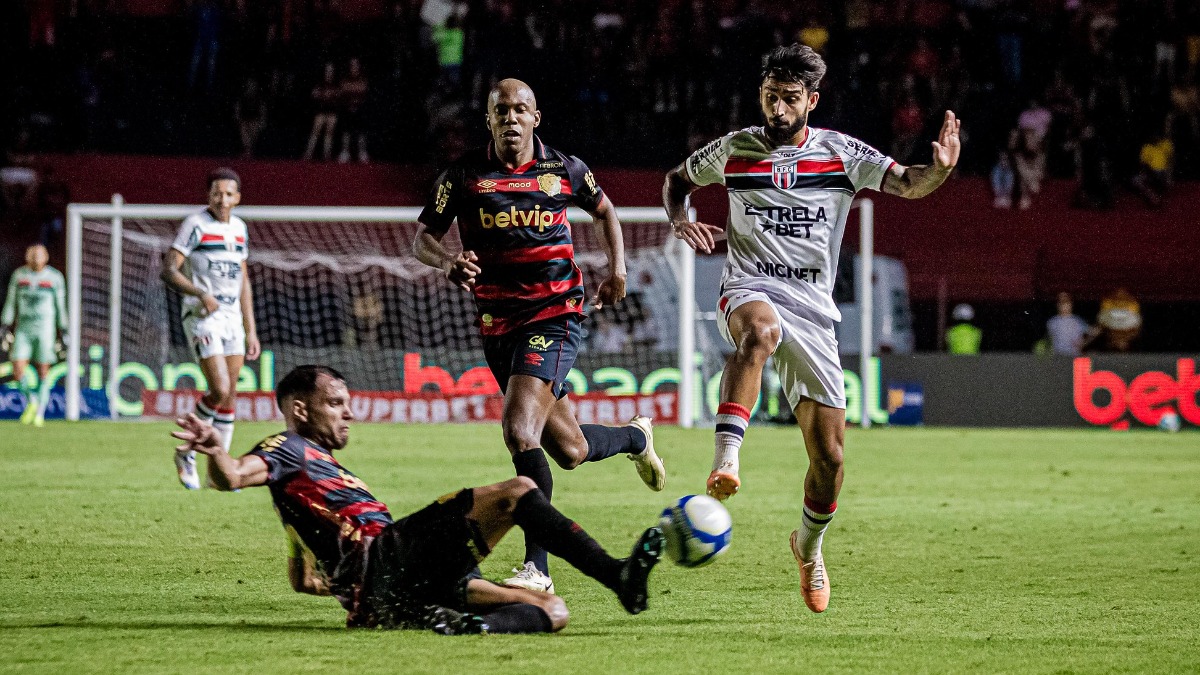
(340, 287)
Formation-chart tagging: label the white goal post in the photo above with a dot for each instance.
(103, 255)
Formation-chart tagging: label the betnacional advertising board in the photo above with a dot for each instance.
(992, 390)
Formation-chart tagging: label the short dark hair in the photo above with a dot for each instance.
(794, 63)
(223, 173)
(302, 382)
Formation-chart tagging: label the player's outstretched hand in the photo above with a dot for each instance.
(210, 303)
(611, 291)
(463, 270)
(700, 236)
(253, 347)
(948, 145)
(197, 436)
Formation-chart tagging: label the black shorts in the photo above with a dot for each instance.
(423, 559)
(544, 349)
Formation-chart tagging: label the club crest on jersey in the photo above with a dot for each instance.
(550, 184)
(784, 175)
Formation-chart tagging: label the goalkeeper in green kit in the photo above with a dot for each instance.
(34, 320)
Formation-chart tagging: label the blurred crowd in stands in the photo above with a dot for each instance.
(1047, 87)
(1104, 92)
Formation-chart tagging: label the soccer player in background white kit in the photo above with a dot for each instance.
(207, 265)
(790, 188)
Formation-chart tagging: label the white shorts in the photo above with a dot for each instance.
(806, 357)
(215, 335)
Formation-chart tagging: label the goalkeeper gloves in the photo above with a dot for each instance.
(6, 342)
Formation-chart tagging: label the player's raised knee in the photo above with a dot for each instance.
(570, 456)
(760, 339)
(520, 437)
(517, 487)
(229, 394)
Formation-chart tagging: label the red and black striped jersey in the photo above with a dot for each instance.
(331, 512)
(516, 222)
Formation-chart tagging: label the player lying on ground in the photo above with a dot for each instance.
(420, 571)
(790, 189)
(206, 265)
(510, 200)
(35, 324)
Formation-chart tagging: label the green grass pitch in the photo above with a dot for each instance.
(1024, 551)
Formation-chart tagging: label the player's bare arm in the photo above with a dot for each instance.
(461, 269)
(253, 347)
(174, 278)
(302, 568)
(676, 190)
(225, 472)
(303, 576)
(607, 227)
(914, 182)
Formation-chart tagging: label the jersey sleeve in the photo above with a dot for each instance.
(707, 165)
(60, 300)
(585, 192)
(284, 455)
(187, 237)
(866, 167)
(442, 205)
(10, 302)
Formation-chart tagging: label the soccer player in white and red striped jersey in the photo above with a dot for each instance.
(790, 189)
(206, 264)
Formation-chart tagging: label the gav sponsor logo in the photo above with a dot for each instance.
(705, 153)
(1147, 397)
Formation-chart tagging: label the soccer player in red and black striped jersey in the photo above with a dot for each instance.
(510, 199)
(420, 571)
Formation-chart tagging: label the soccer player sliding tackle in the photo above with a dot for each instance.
(207, 266)
(420, 571)
(790, 189)
(510, 200)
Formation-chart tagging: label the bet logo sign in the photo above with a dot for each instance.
(1147, 397)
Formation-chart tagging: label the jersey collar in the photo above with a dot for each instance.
(539, 153)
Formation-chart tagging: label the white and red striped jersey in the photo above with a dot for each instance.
(214, 252)
(787, 209)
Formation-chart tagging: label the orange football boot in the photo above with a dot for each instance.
(722, 485)
(814, 582)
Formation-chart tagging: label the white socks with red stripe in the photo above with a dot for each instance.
(221, 420)
(223, 424)
(812, 527)
(732, 420)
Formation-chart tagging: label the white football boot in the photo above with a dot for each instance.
(530, 578)
(185, 464)
(649, 465)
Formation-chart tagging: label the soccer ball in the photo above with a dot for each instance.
(697, 529)
(1169, 422)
